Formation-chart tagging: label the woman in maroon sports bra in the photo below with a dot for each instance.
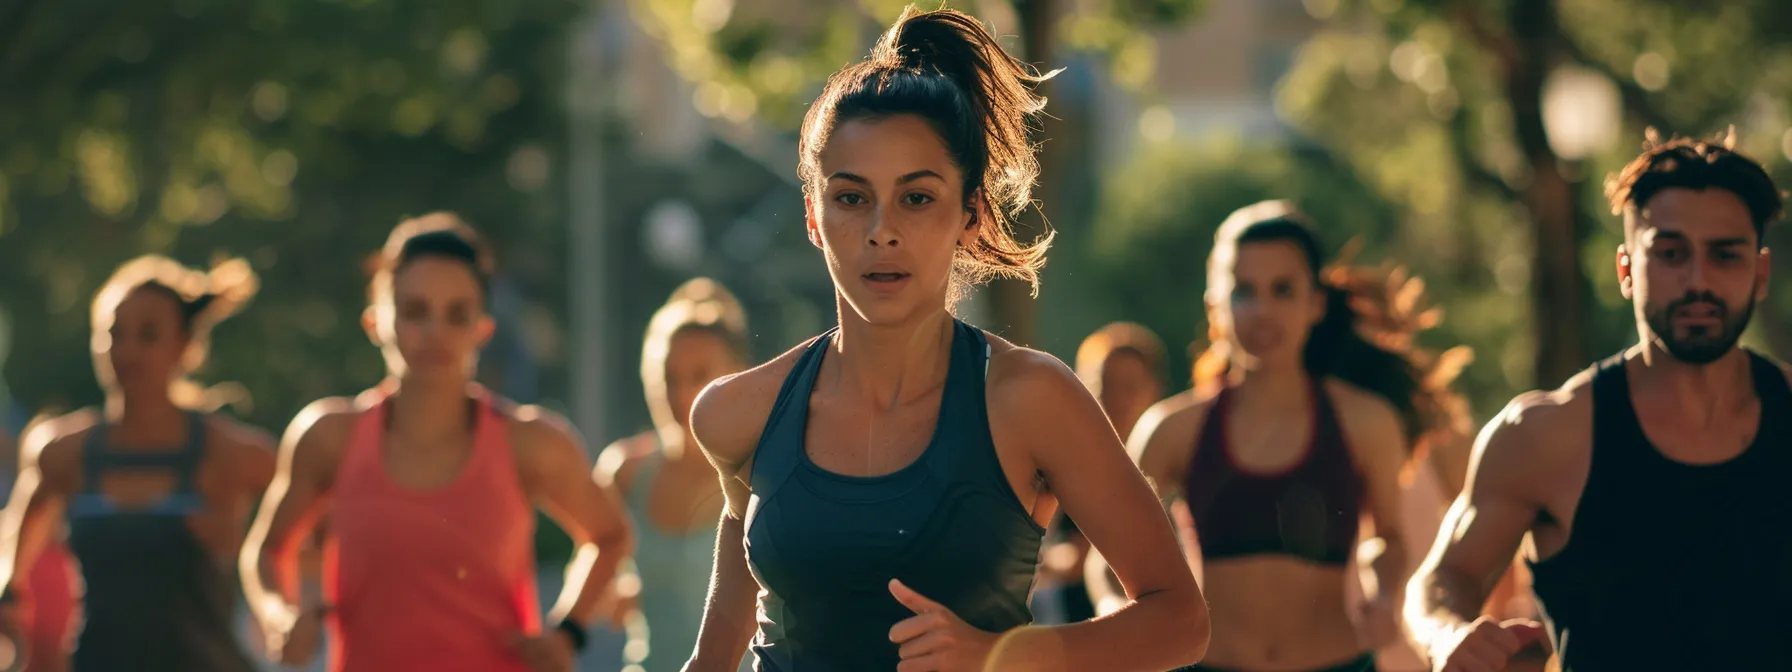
(1305, 412)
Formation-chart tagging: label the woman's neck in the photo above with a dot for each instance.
(423, 411)
(1274, 385)
(144, 413)
(889, 364)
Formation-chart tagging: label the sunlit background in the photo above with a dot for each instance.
(615, 148)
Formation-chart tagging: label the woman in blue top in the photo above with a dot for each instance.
(672, 492)
(887, 481)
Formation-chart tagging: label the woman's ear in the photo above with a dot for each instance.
(976, 216)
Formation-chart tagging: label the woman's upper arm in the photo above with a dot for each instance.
(1161, 444)
(253, 456)
(557, 472)
(1036, 400)
(727, 418)
(49, 465)
(304, 470)
(1379, 446)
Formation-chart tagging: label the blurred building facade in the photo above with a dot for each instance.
(1216, 75)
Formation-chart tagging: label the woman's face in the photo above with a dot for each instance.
(890, 216)
(434, 323)
(1264, 300)
(694, 358)
(140, 351)
(1127, 387)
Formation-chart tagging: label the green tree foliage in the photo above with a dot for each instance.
(293, 133)
(767, 60)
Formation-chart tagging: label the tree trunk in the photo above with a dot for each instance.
(1558, 290)
(1013, 311)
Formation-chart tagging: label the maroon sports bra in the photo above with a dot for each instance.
(1309, 510)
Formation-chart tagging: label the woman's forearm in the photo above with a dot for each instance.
(1157, 631)
(728, 617)
(589, 575)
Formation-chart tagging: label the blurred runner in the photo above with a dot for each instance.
(1305, 412)
(156, 489)
(1122, 365)
(431, 485)
(699, 335)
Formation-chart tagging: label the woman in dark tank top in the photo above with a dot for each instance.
(156, 493)
(887, 481)
(1301, 422)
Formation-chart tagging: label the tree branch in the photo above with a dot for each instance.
(1473, 171)
(1479, 176)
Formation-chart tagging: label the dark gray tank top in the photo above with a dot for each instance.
(824, 545)
(156, 600)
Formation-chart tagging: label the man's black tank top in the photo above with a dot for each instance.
(1673, 566)
(824, 546)
(156, 599)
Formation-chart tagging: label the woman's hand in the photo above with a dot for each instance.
(295, 644)
(935, 639)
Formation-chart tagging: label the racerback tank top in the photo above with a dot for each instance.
(1311, 510)
(824, 545)
(157, 600)
(438, 579)
(1675, 566)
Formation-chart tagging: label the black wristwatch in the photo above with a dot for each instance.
(574, 632)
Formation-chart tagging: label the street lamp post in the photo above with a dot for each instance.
(587, 292)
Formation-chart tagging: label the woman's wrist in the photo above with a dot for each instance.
(1028, 648)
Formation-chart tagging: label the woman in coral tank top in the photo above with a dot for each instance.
(431, 485)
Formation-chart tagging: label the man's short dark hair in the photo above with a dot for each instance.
(1686, 163)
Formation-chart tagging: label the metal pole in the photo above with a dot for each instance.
(588, 295)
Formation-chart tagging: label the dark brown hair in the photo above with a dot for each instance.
(203, 299)
(1685, 163)
(946, 68)
(439, 234)
(1366, 335)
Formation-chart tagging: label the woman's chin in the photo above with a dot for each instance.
(882, 311)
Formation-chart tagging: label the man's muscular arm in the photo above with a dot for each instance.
(1483, 530)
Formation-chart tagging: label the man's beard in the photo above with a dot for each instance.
(1701, 345)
